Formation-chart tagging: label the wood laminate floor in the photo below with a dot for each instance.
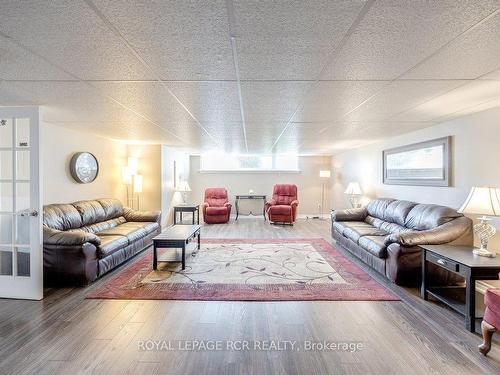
(67, 334)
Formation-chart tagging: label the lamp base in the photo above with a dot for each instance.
(484, 253)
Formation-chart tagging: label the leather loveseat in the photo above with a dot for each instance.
(387, 233)
(84, 240)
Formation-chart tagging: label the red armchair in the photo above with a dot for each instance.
(283, 207)
(216, 208)
(491, 319)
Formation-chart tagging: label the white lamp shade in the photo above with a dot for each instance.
(133, 165)
(137, 183)
(324, 174)
(353, 189)
(126, 176)
(482, 201)
(183, 186)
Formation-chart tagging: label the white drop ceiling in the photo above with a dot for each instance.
(312, 77)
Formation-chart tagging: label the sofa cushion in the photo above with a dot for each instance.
(355, 233)
(129, 230)
(374, 245)
(377, 207)
(91, 212)
(280, 209)
(61, 217)
(99, 227)
(149, 227)
(111, 244)
(397, 211)
(385, 225)
(113, 208)
(216, 211)
(340, 226)
(429, 216)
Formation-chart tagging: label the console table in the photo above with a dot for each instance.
(193, 208)
(251, 196)
(460, 261)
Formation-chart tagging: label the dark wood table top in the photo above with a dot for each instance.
(463, 255)
(178, 232)
(187, 206)
(251, 196)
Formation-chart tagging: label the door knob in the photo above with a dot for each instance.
(25, 213)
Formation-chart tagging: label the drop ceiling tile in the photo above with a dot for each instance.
(400, 96)
(19, 64)
(395, 35)
(272, 101)
(180, 40)
(148, 98)
(71, 35)
(331, 100)
(493, 75)
(214, 101)
(76, 102)
(469, 96)
(474, 54)
(289, 40)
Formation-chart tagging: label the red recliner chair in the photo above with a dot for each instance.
(216, 208)
(491, 319)
(283, 207)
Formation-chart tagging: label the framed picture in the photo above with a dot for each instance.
(425, 163)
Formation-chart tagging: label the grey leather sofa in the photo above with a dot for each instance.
(387, 233)
(84, 240)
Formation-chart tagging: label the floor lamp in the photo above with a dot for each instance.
(324, 175)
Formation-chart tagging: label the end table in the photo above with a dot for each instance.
(193, 208)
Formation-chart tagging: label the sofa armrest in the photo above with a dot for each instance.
(294, 203)
(142, 216)
(352, 214)
(56, 237)
(442, 234)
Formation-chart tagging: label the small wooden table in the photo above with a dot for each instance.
(251, 196)
(175, 237)
(461, 261)
(193, 208)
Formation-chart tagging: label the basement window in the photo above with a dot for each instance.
(220, 162)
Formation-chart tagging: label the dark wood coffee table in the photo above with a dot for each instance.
(461, 261)
(175, 237)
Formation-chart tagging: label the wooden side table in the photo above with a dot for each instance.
(193, 208)
(461, 261)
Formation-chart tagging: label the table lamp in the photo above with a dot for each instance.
(483, 201)
(353, 190)
(184, 189)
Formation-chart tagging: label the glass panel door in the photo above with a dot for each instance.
(20, 224)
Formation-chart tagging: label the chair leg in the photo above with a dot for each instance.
(488, 330)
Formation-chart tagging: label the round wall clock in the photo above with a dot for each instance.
(84, 167)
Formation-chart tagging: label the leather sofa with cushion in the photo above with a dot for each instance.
(84, 240)
(387, 233)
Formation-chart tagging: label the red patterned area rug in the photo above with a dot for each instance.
(249, 270)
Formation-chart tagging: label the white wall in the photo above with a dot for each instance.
(308, 182)
(169, 197)
(58, 145)
(475, 162)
